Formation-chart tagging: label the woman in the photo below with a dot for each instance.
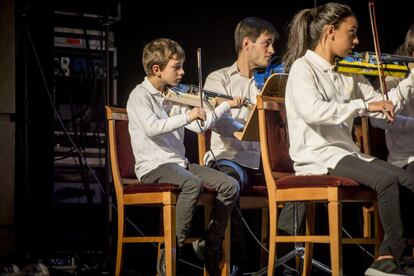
(321, 105)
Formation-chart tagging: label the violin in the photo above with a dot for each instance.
(261, 75)
(366, 63)
(188, 94)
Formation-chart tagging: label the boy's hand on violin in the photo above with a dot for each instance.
(197, 113)
(386, 107)
(237, 102)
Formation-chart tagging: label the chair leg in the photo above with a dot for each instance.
(207, 215)
(264, 239)
(378, 231)
(159, 250)
(335, 234)
(169, 235)
(310, 227)
(119, 247)
(273, 216)
(225, 260)
(366, 214)
(378, 234)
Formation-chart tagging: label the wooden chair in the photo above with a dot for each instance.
(253, 197)
(283, 186)
(130, 192)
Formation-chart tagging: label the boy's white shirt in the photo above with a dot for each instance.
(156, 127)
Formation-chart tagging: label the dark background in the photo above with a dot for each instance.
(211, 27)
(42, 229)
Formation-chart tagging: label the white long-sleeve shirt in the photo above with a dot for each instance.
(156, 127)
(399, 135)
(321, 105)
(223, 144)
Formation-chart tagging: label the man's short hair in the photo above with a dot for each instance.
(252, 27)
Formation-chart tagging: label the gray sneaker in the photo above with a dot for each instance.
(199, 247)
(211, 258)
(385, 267)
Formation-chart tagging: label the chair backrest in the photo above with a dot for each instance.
(371, 140)
(122, 157)
(274, 137)
(376, 141)
(126, 160)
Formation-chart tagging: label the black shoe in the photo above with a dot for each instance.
(199, 247)
(384, 267)
(186, 260)
(161, 267)
(237, 270)
(212, 263)
(210, 257)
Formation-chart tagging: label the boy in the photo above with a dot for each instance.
(157, 126)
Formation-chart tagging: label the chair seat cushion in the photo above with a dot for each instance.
(207, 188)
(248, 191)
(151, 188)
(256, 190)
(314, 181)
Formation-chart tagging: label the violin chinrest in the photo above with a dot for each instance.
(260, 77)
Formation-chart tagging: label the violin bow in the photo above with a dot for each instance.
(380, 63)
(200, 80)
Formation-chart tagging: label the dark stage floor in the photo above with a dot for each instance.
(78, 247)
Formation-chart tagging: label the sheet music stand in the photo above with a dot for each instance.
(274, 87)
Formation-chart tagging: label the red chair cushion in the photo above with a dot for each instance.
(256, 190)
(314, 181)
(151, 188)
(207, 189)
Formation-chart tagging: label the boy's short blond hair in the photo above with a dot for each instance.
(159, 52)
